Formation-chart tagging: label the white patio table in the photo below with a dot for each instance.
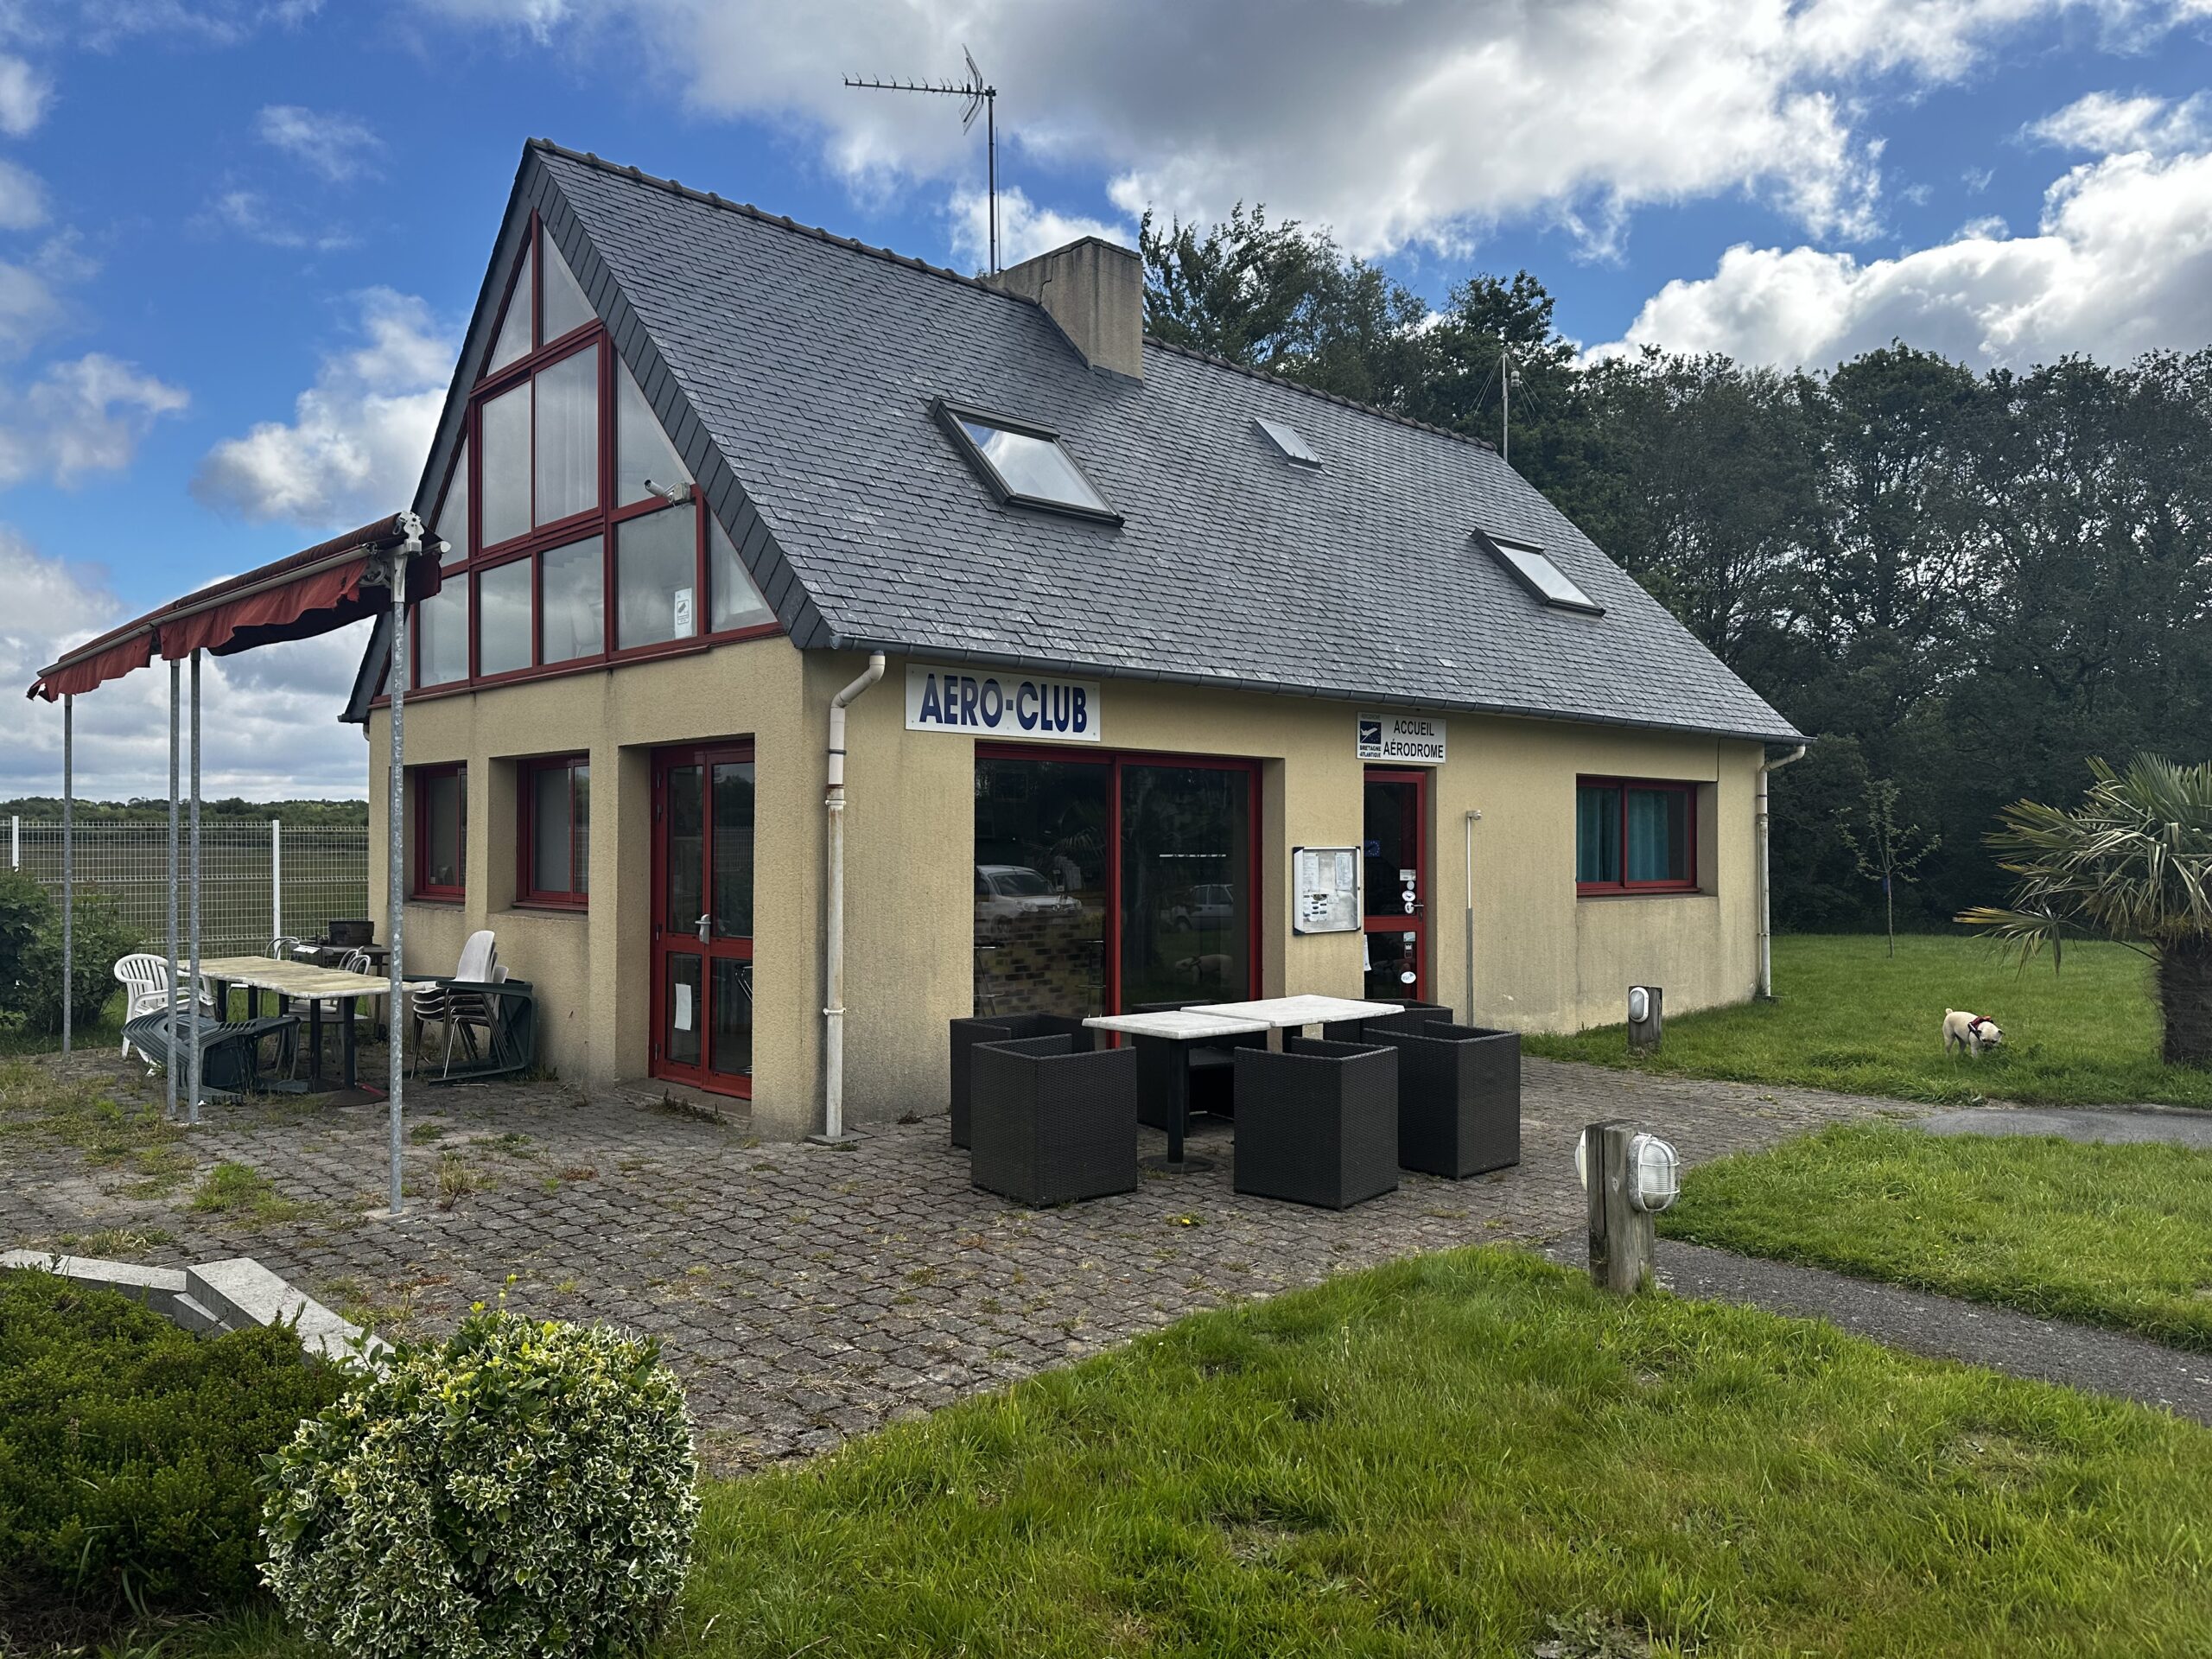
(1163, 1043)
(1295, 1013)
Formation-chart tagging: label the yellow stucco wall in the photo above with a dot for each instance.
(1545, 958)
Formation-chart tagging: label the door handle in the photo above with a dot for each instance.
(707, 929)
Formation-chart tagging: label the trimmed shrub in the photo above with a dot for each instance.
(131, 1450)
(525, 1488)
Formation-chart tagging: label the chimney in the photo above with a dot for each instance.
(1095, 292)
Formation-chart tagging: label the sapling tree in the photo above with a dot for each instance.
(1887, 851)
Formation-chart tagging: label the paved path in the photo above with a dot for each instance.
(2179, 1126)
(2103, 1362)
(804, 1294)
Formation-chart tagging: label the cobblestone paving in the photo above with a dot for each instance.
(805, 1294)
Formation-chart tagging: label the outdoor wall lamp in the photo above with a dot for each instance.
(1654, 1173)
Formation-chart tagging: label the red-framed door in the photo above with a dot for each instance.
(1396, 905)
(703, 820)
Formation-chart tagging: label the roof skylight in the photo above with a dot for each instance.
(1025, 465)
(1533, 569)
(1287, 438)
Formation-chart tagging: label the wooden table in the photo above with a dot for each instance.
(298, 979)
(1164, 1042)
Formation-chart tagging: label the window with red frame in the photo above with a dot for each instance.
(576, 531)
(1634, 836)
(441, 797)
(556, 831)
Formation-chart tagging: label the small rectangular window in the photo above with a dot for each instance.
(572, 592)
(441, 634)
(656, 573)
(1536, 571)
(556, 830)
(1634, 836)
(441, 797)
(505, 509)
(1025, 465)
(503, 618)
(567, 437)
(1287, 438)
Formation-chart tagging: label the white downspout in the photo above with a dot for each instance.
(1766, 883)
(833, 946)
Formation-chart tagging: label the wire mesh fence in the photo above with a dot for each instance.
(257, 879)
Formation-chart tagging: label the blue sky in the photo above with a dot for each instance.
(239, 239)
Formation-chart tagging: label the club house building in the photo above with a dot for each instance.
(1149, 677)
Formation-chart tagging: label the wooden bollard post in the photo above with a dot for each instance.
(1621, 1235)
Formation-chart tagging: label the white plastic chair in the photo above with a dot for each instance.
(456, 1010)
(146, 978)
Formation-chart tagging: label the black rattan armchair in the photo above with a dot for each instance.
(1051, 1123)
(1317, 1123)
(1459, 1096)
(1001, 1028)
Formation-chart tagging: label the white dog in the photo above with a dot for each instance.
(1971, 1033)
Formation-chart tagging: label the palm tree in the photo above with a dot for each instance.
(2131, 863)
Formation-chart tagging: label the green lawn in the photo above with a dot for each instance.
(2117, 1235)
(1848, 1017)
(1471, 1454)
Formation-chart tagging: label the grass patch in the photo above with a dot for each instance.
(2105, 1235)
(1466, 1454)
(244, 1194)
(107, 1032)
(1852, 1018)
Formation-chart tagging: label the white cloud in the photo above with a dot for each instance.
(84, 416)
(355, 444)
(268, 718)
(1025, 229)
(248, 213)
(24, 94)
(2122, 263)
(22, 197)
(103, 25)
(1417, 121)
(337, 146)
(2105, 124)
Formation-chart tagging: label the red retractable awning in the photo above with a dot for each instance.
(317, 590)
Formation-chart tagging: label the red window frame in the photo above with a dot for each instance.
(527, 891)
(602, 520)
(1621, 787)
(418, 780)
(1115, 761)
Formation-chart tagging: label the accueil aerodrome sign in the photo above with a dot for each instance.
(1409, 740)
(1001, 703)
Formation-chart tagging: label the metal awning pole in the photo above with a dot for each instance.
(168, 1070)
(68, 864)
(192, 1110)
(395, 837)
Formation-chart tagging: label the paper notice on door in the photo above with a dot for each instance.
(683, 1015)
(683, 617)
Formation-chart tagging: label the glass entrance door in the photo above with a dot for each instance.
(702, 917)
(1396, 907)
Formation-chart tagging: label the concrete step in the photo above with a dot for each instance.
(244, 1291)
(194, 1316)
(149, 1285)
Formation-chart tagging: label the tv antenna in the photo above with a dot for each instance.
(982, 97)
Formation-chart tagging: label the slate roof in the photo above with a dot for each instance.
(796, 372)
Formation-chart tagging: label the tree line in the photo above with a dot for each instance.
(1965, 586)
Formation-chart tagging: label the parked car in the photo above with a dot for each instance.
(1011, 892)
(1208, 904)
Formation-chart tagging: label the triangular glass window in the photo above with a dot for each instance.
(453, 513)
(513, 343)
(565, 307)
(642, 450)
(735, 602)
